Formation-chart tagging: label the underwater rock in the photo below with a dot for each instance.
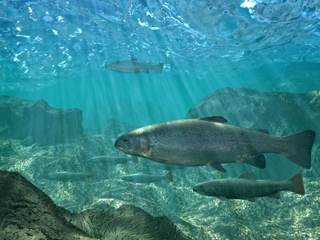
(127, 222)
(6, 148)
(37, 122)
(281, 113)
(28, 213)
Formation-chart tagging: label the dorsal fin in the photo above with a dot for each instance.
(262, 130)
(246, 175)
(276, 180)
(214, 119)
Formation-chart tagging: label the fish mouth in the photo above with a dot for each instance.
(197, 189)
(118, 146)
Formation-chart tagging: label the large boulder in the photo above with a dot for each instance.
(37, 122)
(127, 222)
(28, 213)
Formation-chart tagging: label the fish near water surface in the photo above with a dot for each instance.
(244, 187)
(147, 178)
(72, 176)
(113, 160)
(134, 66)
(208, 141)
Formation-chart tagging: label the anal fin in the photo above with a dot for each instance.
(251, 199)
(257, 161)
(275, 195)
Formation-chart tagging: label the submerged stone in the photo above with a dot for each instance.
(27, 212)
(37, 122)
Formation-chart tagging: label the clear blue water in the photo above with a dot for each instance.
(57, 51)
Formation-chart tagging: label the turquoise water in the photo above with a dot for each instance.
(169, 96)
(57, 51)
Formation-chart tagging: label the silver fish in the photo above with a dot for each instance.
(207, 141)
(167, 166)
(147, 178)
(108, 160)
(134, 66)
(244, 187)
(72, 176)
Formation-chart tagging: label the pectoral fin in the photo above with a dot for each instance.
(217, 166)
(246, 175)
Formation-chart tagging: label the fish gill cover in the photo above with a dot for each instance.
(42, 42)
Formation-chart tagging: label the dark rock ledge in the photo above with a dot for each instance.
(28, 213)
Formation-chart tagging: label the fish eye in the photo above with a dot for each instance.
(125, 140)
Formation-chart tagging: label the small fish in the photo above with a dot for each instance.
(244, 187)
(72, 176)
(208, 141)
(167, 166)
(108, 160)
(147, 178)
(134, 66)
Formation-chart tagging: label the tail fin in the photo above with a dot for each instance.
(297, 184)
(94, 174)
(302, 143)
(158, 68)
(169, 176)
(135, 159)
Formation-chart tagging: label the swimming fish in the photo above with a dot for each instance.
(147, 178)
(244, 187)
(167, 166)
(207, 141)
(134, 66)
(106, 160)
(72, 176)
